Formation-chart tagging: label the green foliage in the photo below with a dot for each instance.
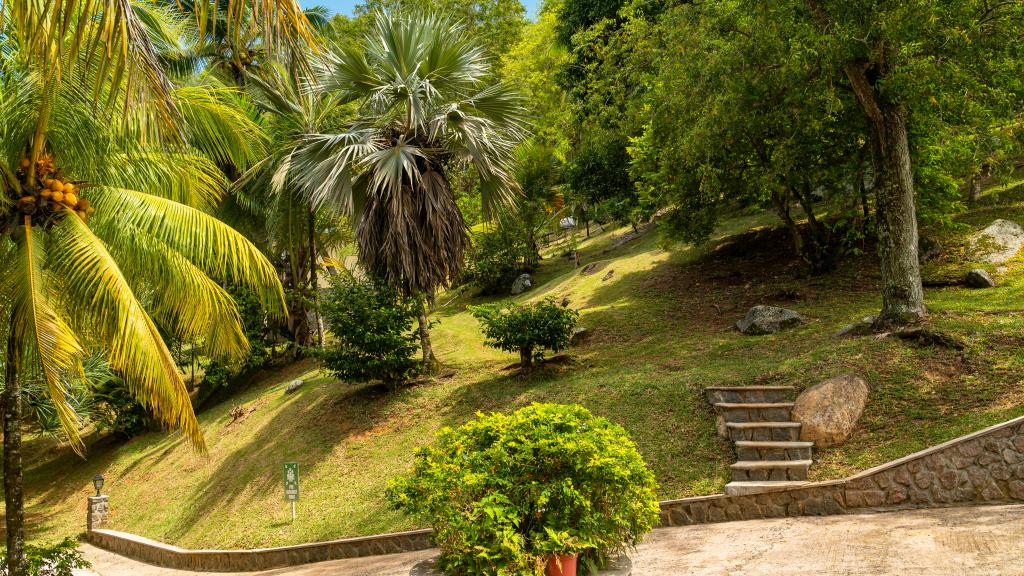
(499, 254)
(528, 329)
(222, 378)
(506, 491)
(496, 24)
(372, 326)
(55, 560)
(117, 410)
(599, 181)
(532, 65)
(576, 15)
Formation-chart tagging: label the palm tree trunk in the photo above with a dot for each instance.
(314, 282)
(430, 362)
(13, 485)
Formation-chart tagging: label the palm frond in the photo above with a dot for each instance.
(186, 301)
(220, 124)
(215, 248)
(46, 339)
(186, 178)
(94, 285)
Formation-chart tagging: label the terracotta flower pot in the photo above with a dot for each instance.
(562, 565)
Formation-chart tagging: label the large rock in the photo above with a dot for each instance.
(293, 387)
(999, 242)
(979, 278)
(768, 320)
(523, 283)
(829, 411)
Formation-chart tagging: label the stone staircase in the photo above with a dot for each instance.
(758, 419)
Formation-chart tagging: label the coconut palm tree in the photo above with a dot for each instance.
(107, 177)
(427, 104)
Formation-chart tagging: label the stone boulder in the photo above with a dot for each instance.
(523, 283)
(769, 320)
(579, 335)
(979, 278)
(829, 411)
(293, 387)
(862, 327)
(999, 242)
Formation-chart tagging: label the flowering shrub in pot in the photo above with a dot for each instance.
(505, 493)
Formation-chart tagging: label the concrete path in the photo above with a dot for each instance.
(984, 541)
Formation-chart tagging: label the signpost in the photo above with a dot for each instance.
(291, 484)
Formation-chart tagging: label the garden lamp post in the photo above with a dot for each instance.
(97, 482)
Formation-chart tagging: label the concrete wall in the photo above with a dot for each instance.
(161, 554)
(984, 467)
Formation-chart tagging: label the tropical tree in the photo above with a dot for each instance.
(107, 178)
(427, 105)
(917, 70)
(278, 214)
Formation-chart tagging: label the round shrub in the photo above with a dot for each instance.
(528, 330)
(506, 491)
(372, 324)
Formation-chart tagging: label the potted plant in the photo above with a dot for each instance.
(562, 552)
(532, 493)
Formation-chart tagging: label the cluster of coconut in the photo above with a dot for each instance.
(52, 193)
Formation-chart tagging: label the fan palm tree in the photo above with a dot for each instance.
(107, 177)
(428, 105)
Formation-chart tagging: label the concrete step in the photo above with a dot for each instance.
(769, 470)
(744, 488)
(716, 394)
(773, 450)
(779, 431)
(755, 411)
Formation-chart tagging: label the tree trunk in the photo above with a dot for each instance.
(314, 282)
(526, 360)
(430, 363)
(902, 292)
(975, 186)
(13, 485)
(816, 250)
(780, 199)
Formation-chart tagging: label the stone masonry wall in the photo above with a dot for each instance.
(984, 467)
(167, 556)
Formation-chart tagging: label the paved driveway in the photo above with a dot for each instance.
(983, 541)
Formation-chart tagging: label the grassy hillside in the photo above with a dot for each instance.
(661, 331)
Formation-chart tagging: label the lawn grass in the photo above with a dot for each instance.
(660, 331)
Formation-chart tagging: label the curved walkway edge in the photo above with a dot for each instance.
(982, 467)
(962, 541)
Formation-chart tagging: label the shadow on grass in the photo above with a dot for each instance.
(306, 429)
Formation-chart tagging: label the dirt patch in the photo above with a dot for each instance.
(758, 267)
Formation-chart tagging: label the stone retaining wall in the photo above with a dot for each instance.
(984, 467)
(160, 554)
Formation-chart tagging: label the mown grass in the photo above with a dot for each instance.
(660, 330)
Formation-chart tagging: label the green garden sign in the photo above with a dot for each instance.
(291, 484)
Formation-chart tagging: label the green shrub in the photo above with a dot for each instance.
(373, 329)
(56, 560)
(497, 257)
(528, 330)
(506, 491)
